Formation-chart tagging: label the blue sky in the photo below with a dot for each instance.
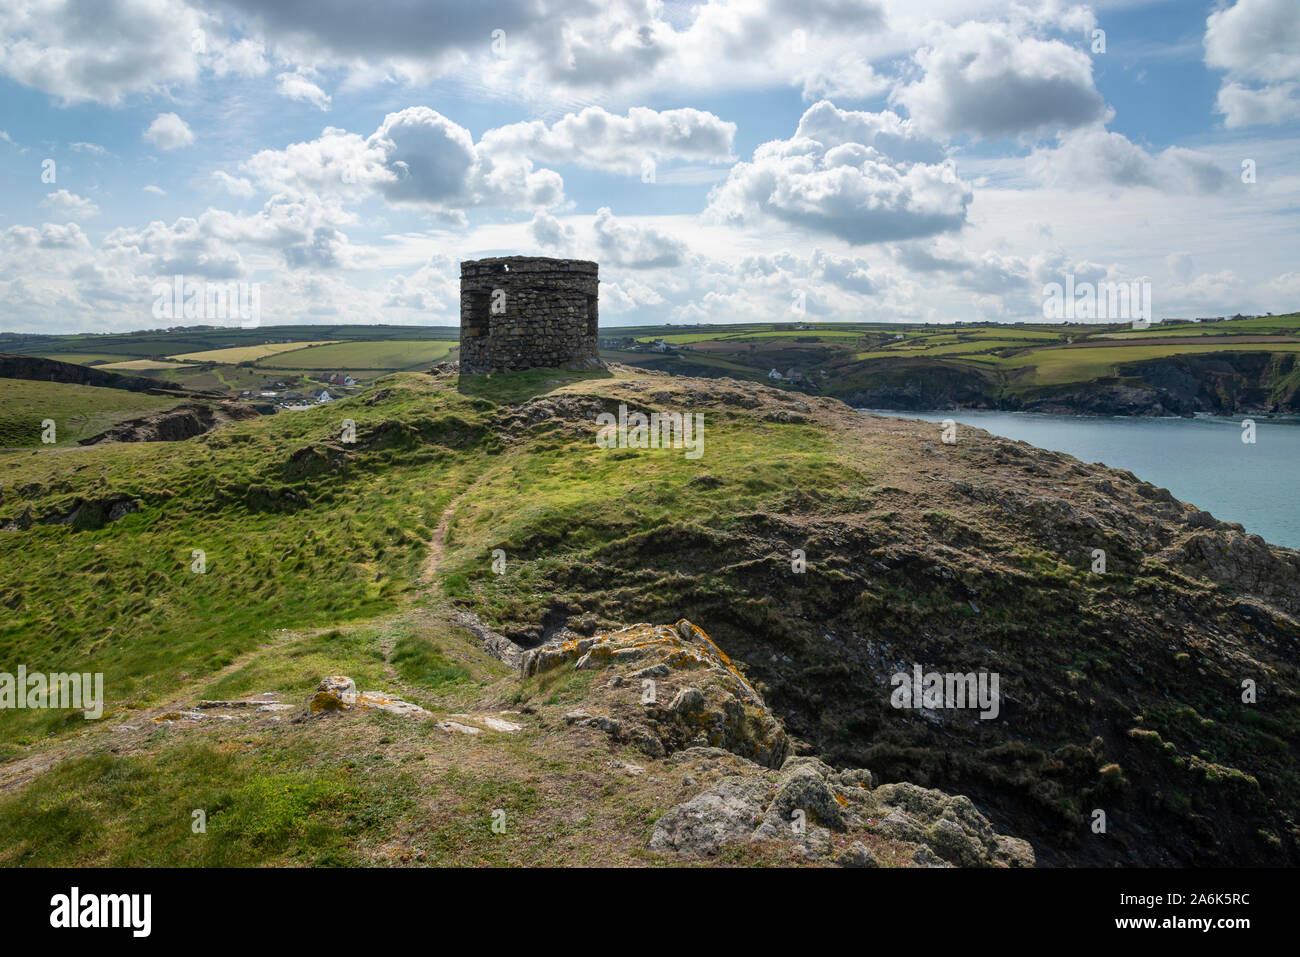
(926, 160)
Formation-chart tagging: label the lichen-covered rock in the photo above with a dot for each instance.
(335, 693)
(801, 787)
(721, 815)
(339, 693)
(856, 854)
(934, 829)
(709, 702)
(949, 825)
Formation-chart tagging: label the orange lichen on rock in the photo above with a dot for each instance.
(714, 705)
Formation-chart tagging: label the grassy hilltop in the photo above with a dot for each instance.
(373, 559)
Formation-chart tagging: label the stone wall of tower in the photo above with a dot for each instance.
(525, 312)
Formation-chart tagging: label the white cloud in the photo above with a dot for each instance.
(94, 148)
(168, 132)
(185, 247)
(417, 157)
(98, 52)
(598, 139)
(886, 132)
(234, 185)
(549, 233)
(635, 246)
(582, 46)
(842, 187)
(1094, 156)
(63, 203)
(156, 190)
(295, 86)
(1256, 41)
(434, 288)
(1243, 106)
(986, 80)
(48, 236)
(244, 57)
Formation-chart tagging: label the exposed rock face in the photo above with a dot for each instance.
(709, 702)
(339, 693)
(1220, 383)
(1121, 688)
(721, 815)
(174, 425)
(716, 717)
(526, 312)
(820, 811)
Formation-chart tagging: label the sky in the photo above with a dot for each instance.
(723, 161)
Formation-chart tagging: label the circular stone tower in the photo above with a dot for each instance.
(525, 312)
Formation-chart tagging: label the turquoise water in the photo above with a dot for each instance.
(1200, 460)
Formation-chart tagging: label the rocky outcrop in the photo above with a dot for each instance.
(339, 693)
(826, 816)
(715, 718)
(668, 687)
(1223, 383)
(175, 425)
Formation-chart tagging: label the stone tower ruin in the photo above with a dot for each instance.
(525, 312)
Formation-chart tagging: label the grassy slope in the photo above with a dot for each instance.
(287, 544)
(593, 538)
(121, 599)
(78, 411)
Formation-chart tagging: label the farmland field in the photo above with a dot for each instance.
(235, 354)
(136, 365)
(1078, 365)
(388, 354)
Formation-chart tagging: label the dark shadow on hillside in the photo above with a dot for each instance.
(515, 387)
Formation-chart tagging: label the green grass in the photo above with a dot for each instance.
(78, 411)
(289, 543)
(1051, 366)
(276, 805)
(390, 354)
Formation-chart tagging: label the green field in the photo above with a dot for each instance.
(1051, 366)
(78, 411)
(138, 365)
(1005, 361)
(387, 355)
